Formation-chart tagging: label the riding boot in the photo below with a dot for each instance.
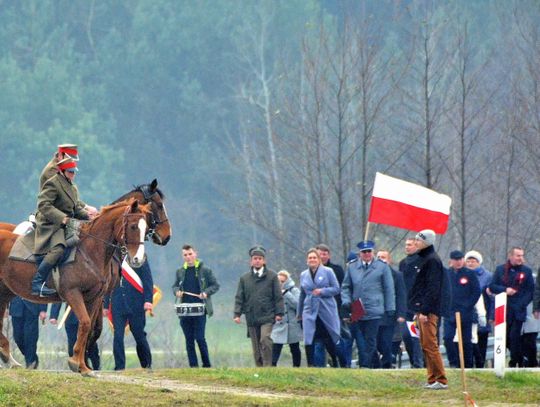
(38, 282)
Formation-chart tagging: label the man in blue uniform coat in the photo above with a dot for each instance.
(129, 303)
(25, 316)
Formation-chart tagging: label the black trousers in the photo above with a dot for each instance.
(295, 352)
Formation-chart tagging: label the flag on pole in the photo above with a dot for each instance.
(408, 206)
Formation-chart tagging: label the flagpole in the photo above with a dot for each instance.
(64, 317)
(461, 361)
(367, 231)
(466, 396)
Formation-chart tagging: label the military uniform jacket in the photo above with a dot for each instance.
(126, 299)
(48, 172)
(259, 298)
(58, 198)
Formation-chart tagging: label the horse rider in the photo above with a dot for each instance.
(58, 201)
(50, 170)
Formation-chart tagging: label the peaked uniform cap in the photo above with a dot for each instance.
(70, 149)
(257, 251)
(67, 164)
(366, 245)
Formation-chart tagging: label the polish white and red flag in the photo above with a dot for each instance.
(408, 206)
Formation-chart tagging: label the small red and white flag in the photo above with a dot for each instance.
(408, 206)
(413, 329)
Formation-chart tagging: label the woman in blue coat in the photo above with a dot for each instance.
(317, 308)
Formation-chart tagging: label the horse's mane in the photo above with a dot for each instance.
(108, 208)
(114, 205)
(139, 188)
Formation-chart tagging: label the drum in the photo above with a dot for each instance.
(195, 309)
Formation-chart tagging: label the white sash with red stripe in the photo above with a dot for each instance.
(132, 277)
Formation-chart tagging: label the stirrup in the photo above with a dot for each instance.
(46, 291)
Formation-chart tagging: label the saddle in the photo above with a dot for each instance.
(23, 250)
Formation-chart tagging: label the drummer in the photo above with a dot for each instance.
(195, 283)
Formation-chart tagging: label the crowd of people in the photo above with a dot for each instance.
(377, 307)
(369, 303)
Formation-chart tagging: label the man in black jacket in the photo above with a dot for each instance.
(516, 279)
(408, 267)
(425, 301)
(259, 297)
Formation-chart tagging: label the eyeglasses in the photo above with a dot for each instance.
(366, 251)
(71, 171)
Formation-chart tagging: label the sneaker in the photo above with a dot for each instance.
(437, 386)
(427, 385)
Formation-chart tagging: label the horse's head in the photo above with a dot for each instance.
(130, 230)
(159, 227)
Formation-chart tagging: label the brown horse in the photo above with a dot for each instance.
(7, 226)
(119, 227)
(159, 231)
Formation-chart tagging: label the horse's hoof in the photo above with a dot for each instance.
(89, 373)
(4, 357)
(11, 363)
(74, 366)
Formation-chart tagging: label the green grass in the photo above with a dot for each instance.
(262, 387)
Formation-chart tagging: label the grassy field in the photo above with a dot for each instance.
(261, 387)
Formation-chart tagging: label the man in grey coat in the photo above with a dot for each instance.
(259, 298)
(370, 281)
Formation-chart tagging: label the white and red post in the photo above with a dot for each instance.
(499, 344)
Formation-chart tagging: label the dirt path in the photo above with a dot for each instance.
(177, 386)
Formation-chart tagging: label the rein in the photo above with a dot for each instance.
(122, 247)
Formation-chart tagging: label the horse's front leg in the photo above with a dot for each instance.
(96, 318)
(77, 362)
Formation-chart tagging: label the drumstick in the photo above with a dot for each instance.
(64, 317)
(193, 295)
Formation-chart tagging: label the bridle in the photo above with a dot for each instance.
(123, 233)
(155, 219)
(121, 236)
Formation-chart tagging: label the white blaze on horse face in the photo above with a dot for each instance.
(139, 256)
(166, 217)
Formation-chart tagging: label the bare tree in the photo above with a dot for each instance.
(425, 92)
(470, 120)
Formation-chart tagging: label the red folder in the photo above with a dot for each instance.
(357, 310)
